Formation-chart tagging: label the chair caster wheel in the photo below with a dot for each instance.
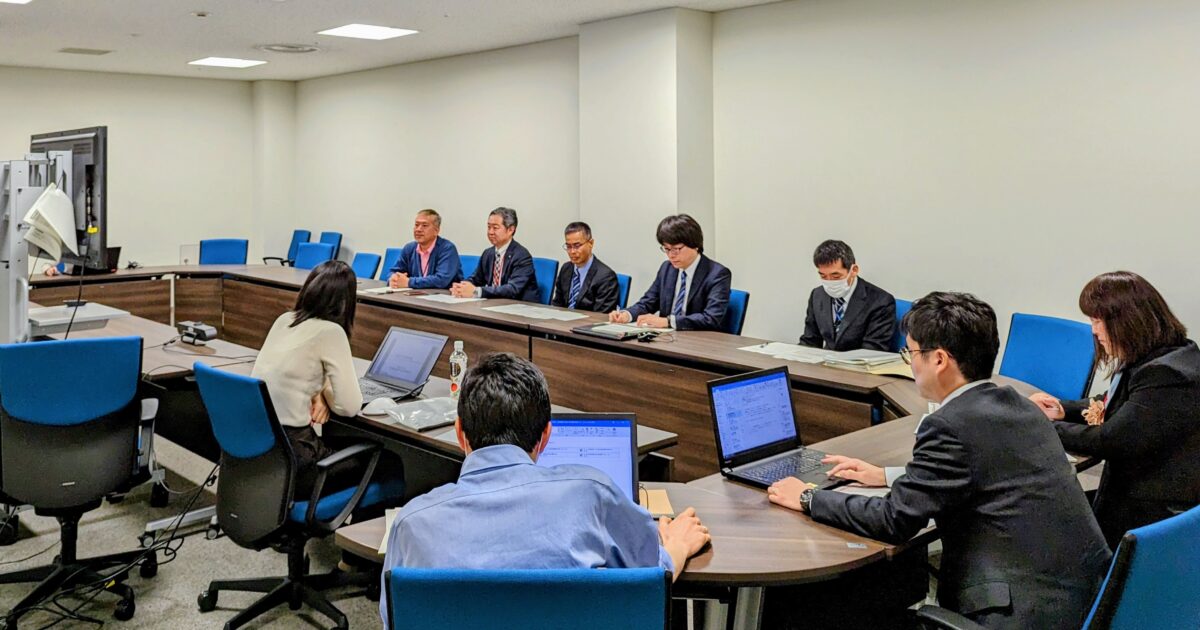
(213, 532)
(207, 601)
(149, 566)
(145, 540)
(125, 609)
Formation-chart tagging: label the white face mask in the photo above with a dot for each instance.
(836, 288)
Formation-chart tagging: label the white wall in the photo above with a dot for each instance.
(1013, 149)
(461, 135)
(179, 150)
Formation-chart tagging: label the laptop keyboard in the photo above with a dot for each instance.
(794, 466)
(372, 390)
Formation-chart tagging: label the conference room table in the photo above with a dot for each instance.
(663, 382)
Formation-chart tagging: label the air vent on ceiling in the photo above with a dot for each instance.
(84, 51)
(291, 49)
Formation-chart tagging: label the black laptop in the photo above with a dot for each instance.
(402, 364)
(758, 442)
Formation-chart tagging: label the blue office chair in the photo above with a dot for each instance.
(332, 238)
(1153, 582)
(735, 313)
(309, 255)
(902, 309)
(365, 265)
(298, 237)
(528, 599)
(545, 270)
(468, 263)
(1057, 356)
(623, 282)
(66, 444)
(254, 499)
(224, 251)
(390, 256)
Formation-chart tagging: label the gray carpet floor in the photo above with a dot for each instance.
(169, 599)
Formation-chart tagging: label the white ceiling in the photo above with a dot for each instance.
(161, 36)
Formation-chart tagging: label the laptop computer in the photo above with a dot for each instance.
(758, 442)
(402, 364)
(607, 441)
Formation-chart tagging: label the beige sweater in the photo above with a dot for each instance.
(298, 362)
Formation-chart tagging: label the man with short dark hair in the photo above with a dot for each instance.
(586, 284)
(691, 290)
(505, 512)
(506, 268)
(847, 312)
(429, 261)
(1021, 548)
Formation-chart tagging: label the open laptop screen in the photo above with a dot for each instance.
(753, 411)
(603, 441)
(406, 357)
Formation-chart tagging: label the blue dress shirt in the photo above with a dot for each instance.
(506, 512)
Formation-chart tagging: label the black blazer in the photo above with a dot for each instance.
(599, 292)
(1021, 548)
(706, 304)
(517, 278)
(869, 321)
(1150, 441)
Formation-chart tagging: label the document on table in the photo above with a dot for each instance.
(628, 329)
(384, 290)
(789, 352)
(389, 517)
(536, 312)
(449, 299)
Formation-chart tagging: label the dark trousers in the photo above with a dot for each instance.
(310, 448)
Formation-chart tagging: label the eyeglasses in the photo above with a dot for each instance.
(907, 354)
(672, 250)
(572, 247)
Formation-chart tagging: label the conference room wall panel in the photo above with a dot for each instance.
(1012, 149)
(461, 135)
(179, 150)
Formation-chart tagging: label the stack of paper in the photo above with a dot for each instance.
(52, 223)
(871, 362)
(789, 352)
(536, 312)
(449, 299)
(389, 517)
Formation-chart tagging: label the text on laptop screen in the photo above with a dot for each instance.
(603, 444)
(753, 413)
(404, 357)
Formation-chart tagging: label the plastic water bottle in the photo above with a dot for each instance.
(458, 367)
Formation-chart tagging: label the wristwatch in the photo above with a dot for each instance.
(806, 499)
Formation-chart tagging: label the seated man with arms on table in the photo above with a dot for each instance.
(505, 512)
(429, 261)
(1021, 547)
(586, 284)
(506, 269)
(847, 312)
(691, 290)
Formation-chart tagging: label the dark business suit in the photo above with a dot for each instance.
(869, 321)
(517, 279)
(599, 291)
(706, 303)
(1021, 548)
(1150, 441)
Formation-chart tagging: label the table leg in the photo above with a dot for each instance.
(747, 610)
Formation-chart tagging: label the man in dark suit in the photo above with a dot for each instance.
(586, 284)
(691, 290)
(847, 312)
(506, 269)
(1021, 548)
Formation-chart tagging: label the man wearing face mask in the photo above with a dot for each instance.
(847, 312)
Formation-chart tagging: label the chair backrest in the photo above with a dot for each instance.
(390, 256)
(623, 282)
(735, 313)
(69, 419)
(545, 270)
(224, 251)
(298, 236)
(332, 238)
(365, 265)
(902, 309)
(469, 262)
(309, 255)
(1154, 580)
(528, 599)
(1055, 355)
(257, 465)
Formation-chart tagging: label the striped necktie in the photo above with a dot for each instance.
(497, 268)
(681, 295)
(839, 309)
(576, 287)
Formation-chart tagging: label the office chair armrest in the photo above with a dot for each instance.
(935, 617)
(323, 468)
(282, 261)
